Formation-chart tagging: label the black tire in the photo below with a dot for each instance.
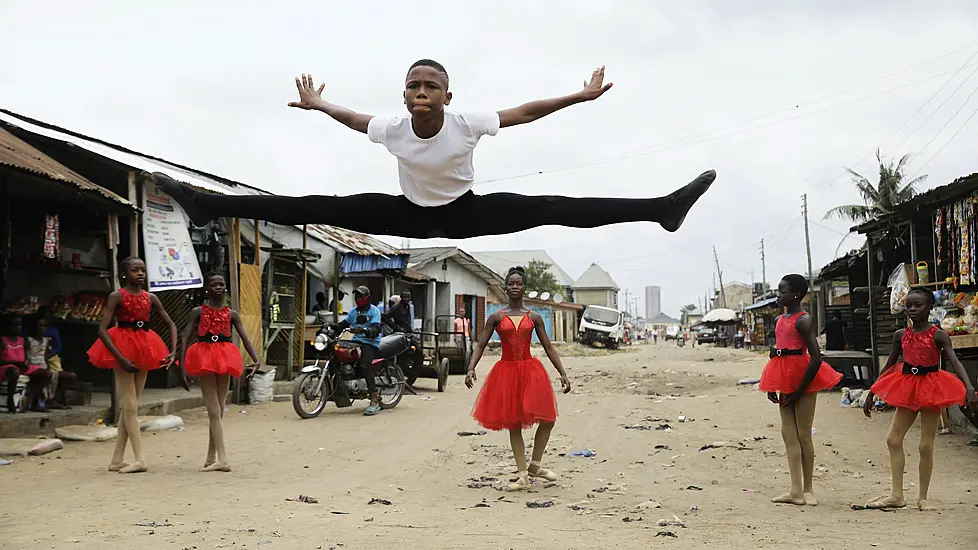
(612, 344)
(297, 386)
(397, 375)
(443, 374)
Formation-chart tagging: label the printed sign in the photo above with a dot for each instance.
(171, 263)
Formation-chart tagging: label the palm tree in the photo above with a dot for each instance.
(882, 198)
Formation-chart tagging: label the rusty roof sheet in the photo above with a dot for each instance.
(346, 240)
(19, 154)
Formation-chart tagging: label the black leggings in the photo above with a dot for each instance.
(468, 216)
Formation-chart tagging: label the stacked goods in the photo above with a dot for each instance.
(25, 306)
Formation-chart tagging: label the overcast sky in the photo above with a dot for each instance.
(206, 84)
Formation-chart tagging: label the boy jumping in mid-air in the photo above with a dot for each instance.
(434, 164)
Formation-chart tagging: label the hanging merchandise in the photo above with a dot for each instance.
(52, 244)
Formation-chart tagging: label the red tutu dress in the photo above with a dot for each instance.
(918, 382)
(789, 361)
(213, 353)
(131, 336)
(517, 392)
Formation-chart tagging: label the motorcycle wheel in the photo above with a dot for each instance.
(390, 397)
(305, 385)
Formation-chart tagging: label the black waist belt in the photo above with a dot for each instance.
(918, 371)
(134, 325)
(783, 352)
(211, 337)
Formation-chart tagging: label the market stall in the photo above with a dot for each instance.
(60, 234)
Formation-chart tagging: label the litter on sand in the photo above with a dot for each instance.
(303, 498)
(383, 501)
(471, 434)
(666, 534)
(586, 453)
(540, 504)
(748, 381)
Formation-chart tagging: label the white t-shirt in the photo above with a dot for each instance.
(438, 170)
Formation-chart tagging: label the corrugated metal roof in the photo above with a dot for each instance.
(595, 278)
(338, 238)
(420, 257)
(956, 190)
(19, 154)
(357, 263)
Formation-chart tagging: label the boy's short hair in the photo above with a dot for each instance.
(429, 63)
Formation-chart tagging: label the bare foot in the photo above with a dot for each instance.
(216, 467)
(926, 506)
(886, 503)
(134, 468)
(116, 466)
(787, 498)
(810, 499)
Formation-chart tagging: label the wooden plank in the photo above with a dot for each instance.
(251, 305)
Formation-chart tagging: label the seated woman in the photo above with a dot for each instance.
(43, 344)
(13, 364)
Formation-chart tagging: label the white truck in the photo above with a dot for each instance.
(673, 332)
(602, 325)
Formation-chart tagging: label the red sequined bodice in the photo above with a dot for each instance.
(786, 336)
(516, 339)
(134, 307)
(214, 321)
(919, 348)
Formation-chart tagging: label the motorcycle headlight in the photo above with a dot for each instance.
(320, 342)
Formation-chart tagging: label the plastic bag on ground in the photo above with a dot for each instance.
(24, 447)
(159, 423)
(86, 433)
(260, 388)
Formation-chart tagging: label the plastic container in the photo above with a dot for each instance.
(923, 274)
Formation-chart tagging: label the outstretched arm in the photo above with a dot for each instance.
(311, 99)
(174, 336)
(246, 342)
(548, 347)
(534, 110)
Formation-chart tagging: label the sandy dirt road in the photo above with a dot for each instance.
(413, 457)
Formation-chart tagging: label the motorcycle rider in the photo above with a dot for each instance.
(400, 318)
(367, 334)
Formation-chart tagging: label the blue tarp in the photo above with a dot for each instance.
(762, 303)
(355, 263)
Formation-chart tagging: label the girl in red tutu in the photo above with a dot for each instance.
(131, 349)
(917, 385)
(792, 379)
(517, 392)
(214, 359)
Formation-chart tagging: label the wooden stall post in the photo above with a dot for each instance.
(871, 278)
(234, 251)
(112, 238)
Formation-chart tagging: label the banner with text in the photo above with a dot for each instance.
(171, 263)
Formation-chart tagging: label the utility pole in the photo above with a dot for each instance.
(808, 249)
(763, 268)
(723, 293)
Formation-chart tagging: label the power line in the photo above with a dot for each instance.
(967, 99)
(946, 143)
(679, 142)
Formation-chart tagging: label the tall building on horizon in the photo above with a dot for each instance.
(653, 302)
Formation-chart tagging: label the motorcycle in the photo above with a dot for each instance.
(333, 377)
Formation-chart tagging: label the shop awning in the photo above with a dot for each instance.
(18, 154)
(762, 303)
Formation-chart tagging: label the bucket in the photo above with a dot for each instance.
(923, 276)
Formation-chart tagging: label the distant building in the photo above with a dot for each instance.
(596, 288)
(735, 296)
(653, 302)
